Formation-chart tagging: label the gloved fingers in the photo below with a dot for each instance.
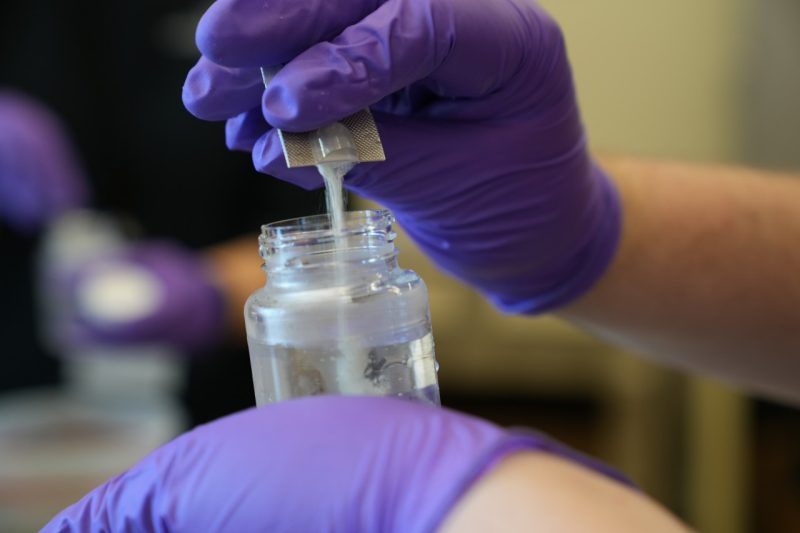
(213, 92)
(268, 158)
(454, 50)
(395, 46)
(464, 49)
(254, 33)
(243, 130)
(243, 32)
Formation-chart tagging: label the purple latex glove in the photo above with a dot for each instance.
(146, 293)
(314, 464)
(40, 176)
(487, 166)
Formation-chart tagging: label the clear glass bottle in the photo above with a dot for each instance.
(337, 315)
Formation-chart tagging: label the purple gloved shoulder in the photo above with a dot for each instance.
(313, 464)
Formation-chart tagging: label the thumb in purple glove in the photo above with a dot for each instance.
(40, 176)
(146, 293)
(487, 166)
(314, 464)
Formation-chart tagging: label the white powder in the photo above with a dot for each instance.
(333, 176)
(352, 356)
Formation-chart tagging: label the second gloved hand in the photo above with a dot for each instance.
(487, 166)
(153, 293)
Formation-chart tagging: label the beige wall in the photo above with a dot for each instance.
(658, 78)
(667, 79)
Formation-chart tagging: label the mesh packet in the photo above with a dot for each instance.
(352, 139)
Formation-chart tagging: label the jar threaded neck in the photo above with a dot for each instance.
(306, 242)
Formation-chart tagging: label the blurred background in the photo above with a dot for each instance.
(709, 81)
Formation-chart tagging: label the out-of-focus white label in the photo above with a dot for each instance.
(119, 292)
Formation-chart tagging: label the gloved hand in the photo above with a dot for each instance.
(487, 166)
(312, 464)
(40, 176)
(144, 293)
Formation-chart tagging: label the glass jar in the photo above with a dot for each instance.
(337, 314)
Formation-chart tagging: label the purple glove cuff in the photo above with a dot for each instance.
(519, 440)
(584, 266)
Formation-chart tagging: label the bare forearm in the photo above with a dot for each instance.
(707, 274)
(539, 492)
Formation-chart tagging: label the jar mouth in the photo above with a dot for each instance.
(359, 228)
(377, 219)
